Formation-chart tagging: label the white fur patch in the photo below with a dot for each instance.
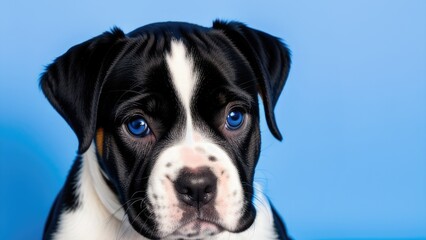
(184, 78)
(263, 225)
(99, 215)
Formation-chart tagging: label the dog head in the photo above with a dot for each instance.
(172, 109)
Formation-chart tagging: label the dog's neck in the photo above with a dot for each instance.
(101, 216)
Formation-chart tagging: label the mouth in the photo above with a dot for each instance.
(196, 229)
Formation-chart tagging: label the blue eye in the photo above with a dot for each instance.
(234, 120)
(138, 127)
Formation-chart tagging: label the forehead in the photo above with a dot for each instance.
(177, 63)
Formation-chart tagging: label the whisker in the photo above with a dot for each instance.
(119, 236)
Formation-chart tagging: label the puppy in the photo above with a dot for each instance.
(167, 120)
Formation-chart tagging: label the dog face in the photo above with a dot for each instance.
(172, 109)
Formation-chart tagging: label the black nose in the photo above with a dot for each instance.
(196, 187)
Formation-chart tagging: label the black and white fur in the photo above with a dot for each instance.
(183, 79)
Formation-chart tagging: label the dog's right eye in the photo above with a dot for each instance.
(138, 127)
(234, 120)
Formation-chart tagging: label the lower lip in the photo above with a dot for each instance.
(199, 228)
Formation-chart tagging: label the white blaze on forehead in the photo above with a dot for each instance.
(184, 78)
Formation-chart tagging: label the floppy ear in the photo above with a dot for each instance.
(268, 57)
(73, 82)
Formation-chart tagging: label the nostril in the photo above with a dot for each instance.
(183, 190)
(208, 189)
(196, 187)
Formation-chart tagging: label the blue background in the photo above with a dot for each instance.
(353, 113)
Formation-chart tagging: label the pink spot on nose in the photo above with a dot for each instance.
(192, 158)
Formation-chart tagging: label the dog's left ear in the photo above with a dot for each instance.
(73, 82)
(268, 57)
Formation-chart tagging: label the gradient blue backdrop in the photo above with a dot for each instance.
(353, 113)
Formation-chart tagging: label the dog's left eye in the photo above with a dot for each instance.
(234, 120)
(138, 127)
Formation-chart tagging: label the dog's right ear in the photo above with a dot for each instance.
(73, 82)
(270, 59)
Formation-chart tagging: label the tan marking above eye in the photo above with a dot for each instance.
(100, 140)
